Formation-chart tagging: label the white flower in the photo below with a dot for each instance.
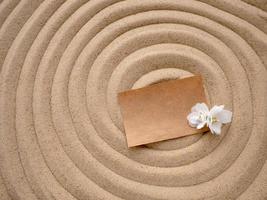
(214, 118)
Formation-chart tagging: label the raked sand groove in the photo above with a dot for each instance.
(62, 64)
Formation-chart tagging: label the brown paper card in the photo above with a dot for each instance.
(158, 112)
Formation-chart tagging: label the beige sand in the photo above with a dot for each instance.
(62, 65)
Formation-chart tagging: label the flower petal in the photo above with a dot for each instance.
(215, 128)
(193, 118)
(224, 116)
(200, 107)
(192, 125)
(201, 125)
(216, 109)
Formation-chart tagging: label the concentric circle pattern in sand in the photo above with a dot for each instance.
(62, 65)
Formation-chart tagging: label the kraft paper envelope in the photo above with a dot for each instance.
(158, 112)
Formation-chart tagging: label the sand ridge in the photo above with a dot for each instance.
(62, 65)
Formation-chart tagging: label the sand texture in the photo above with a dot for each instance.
(62, 64)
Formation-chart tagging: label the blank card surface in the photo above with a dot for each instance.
(158, 112)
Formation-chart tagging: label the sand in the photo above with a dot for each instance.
(62, 64)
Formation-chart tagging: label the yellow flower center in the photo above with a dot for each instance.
(213, 119)
(204, 117)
